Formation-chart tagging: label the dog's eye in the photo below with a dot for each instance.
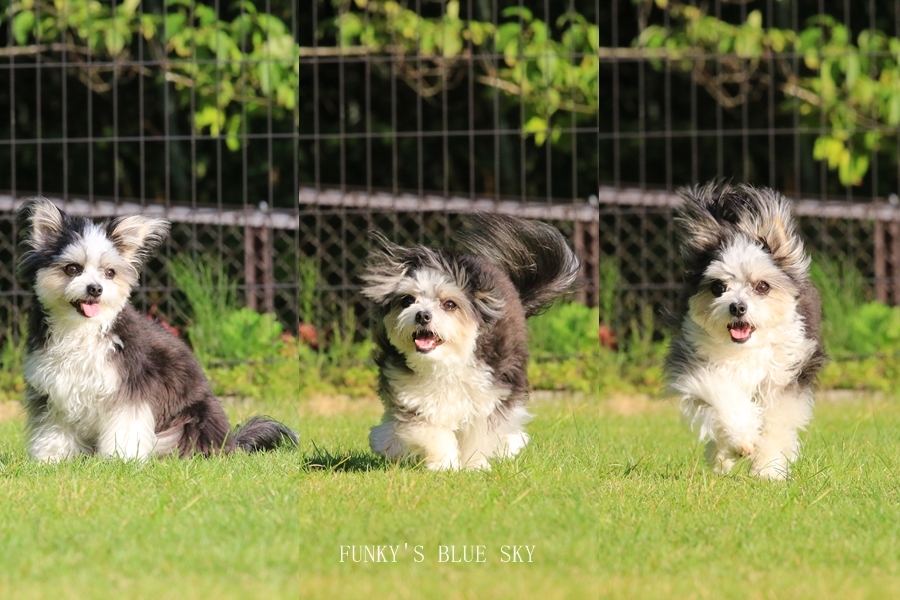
(72, 270)
(717, 288)
(762, 288)
(449, 305)
(407, 301)
(110, 273)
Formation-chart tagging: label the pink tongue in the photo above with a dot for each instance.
(90, 310)
(425, 343)
(740, 333)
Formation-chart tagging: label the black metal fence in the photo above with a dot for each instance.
(407, 141)
(186, 111)
(686, 110)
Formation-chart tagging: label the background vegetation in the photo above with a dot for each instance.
(822, 76)
(528, 75)
(139, 79)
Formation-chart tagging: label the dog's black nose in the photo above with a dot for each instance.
(94, 290)
(738, 309)
(423, 317)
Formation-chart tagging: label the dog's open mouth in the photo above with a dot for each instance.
(740, 331)
(426, 341)
(87, 308)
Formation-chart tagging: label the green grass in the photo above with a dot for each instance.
(670, 528)
(545, 498)
(617, 502)
(613, 495)
(224, 527)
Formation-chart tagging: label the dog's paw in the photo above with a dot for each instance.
(745, 444)
(444, 463)
(772, 468)
(722, 465)
(720, 460)
(515, 442)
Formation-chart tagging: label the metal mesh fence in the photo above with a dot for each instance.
(683, 110)
(182, 110)
(407, 140)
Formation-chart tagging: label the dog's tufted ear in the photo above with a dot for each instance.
(41, 221)
(768, 217)
(135, 237)
(386, 268)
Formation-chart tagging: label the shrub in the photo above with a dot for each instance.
(218, 329)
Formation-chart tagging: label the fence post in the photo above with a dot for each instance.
(881, 271)
(259, 275)
(587, 246)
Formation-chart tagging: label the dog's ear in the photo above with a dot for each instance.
(386, 267)
(41, 221)
(769, 218)
(135, 237)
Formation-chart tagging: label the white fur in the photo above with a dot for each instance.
(128, 433)
(452, 400)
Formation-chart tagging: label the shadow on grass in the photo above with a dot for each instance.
(323, 460)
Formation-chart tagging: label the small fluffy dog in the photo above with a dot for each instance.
(102, 379)
(748, 351)
(452, 341)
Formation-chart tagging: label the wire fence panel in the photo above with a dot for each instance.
(406, 137)
(766, 93)
(187, 111)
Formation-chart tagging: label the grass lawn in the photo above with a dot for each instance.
(224, 527)
(668, 528)
(611, 497)
(617, 503)
(546, 499)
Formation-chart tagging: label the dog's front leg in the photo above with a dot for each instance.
(725, 413)
(129, 433)
(790, 410)
(50, 442)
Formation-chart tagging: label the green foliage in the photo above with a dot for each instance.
(565, 330)
(223, 70)
(309, 277)
(218, 329)
(12, 355)
(854, 88)
(551, 73)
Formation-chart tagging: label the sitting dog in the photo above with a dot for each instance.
(101, 378)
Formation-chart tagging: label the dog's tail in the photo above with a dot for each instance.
(261, 433)
(534, 255)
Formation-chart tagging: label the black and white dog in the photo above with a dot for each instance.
(452, 340)
(102, 379)
(748, 351)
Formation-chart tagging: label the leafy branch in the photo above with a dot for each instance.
(547, 75)
(221, 68)
(853, 88)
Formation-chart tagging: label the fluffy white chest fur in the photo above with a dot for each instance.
(769, 363)
(76, 374)
(450, 393)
